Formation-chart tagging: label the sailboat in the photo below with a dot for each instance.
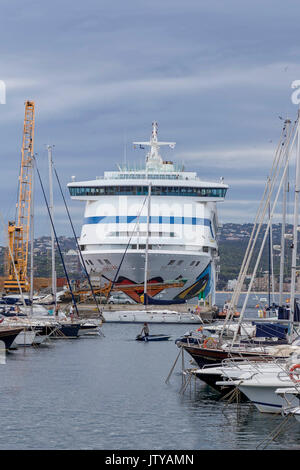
(8, 335)
(68, 327)
(211, 350)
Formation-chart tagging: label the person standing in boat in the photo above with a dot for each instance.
(17, 309)
(57, 311)
(145, 330)
(71, 312)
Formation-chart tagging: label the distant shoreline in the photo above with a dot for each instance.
(255, 293)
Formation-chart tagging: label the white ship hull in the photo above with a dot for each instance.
(188, 281)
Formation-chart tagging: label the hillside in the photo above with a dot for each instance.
(232, 239)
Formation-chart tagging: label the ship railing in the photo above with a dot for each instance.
(195, 341)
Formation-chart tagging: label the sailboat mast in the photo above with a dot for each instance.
(147, 244)
(295, 229)
(269, 243)
(272, 266)
(270, 250)
(53, 271)
(283, 225)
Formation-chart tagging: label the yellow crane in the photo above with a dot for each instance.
(18, 230)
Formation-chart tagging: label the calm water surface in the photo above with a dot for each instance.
(110, 393)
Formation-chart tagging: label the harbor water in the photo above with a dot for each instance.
(110, 393)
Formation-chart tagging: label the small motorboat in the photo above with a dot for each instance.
(222, 315)
(153, 338)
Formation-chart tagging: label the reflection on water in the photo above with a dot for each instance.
(110, 393)
(235, 426)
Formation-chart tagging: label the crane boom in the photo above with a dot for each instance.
(18, 230)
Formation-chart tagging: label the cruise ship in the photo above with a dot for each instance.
(152, 226)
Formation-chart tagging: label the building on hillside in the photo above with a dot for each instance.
(262, 283)
(72, 261)
(231, 284)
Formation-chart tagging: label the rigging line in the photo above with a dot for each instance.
(283, 229)
(289, 219)
(250, 247)
(251, 243)
(55, 234)
(280, 150)
(271, 180)
(271, 261)
(77, 244)
(281, 147)
(295, 224)
(282, 154)
(118, 270)
(264, 239)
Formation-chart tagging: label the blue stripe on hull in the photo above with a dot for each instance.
(120, 219)
(271, 405)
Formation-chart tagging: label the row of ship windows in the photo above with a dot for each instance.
(171, 262)
(181, 261)
(142, 234)
(143, 191)
(143, 176)
(105, 261)
(204, 249)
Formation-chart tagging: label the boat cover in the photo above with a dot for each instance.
(271, 330)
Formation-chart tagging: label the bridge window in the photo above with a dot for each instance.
(143, 190)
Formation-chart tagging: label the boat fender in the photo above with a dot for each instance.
(291, 374)
(209, 343)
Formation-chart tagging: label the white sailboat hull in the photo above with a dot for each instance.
(151, 317)
(265, 399)
(40, 339)
(25, 338)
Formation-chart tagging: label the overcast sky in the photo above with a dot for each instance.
(216, 75)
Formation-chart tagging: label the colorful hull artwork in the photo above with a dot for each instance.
(201, 287)
(138, 294)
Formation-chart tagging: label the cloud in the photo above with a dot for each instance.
(235, 157)
(56, 93)
(216, 76)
